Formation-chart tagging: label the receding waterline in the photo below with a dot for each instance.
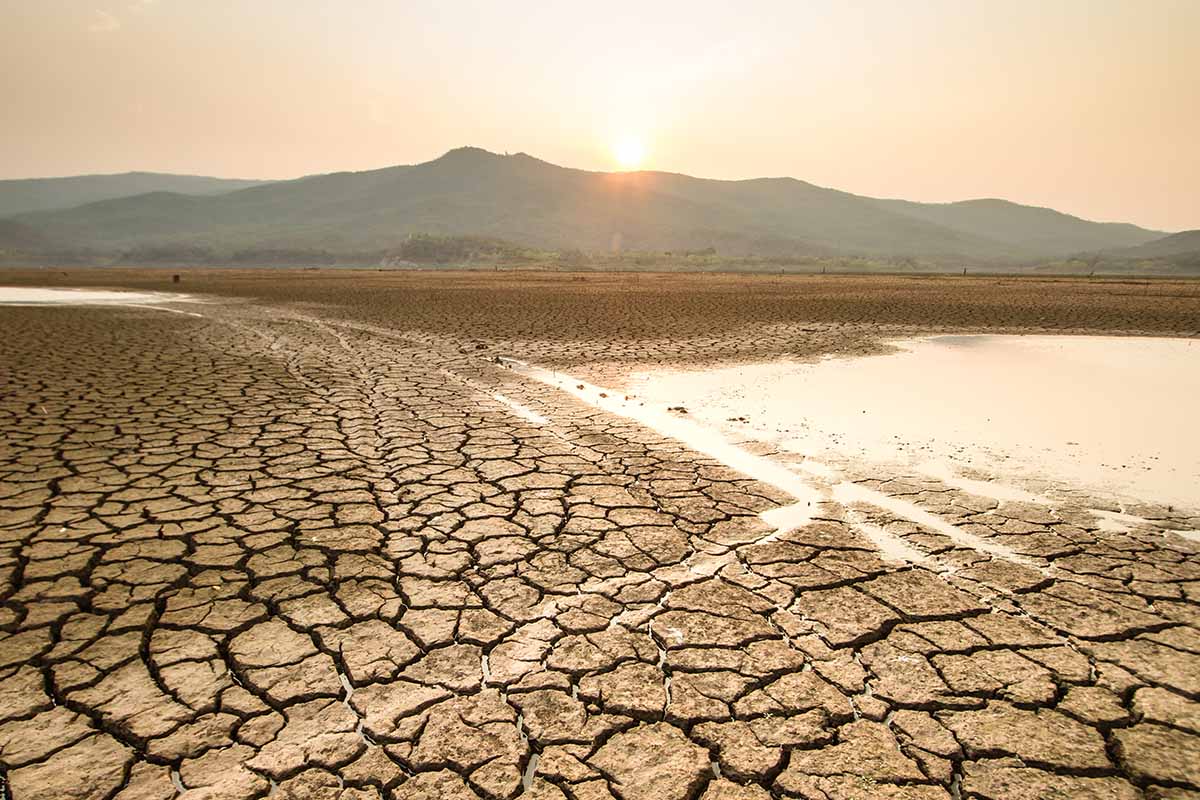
(524, 412)
(42, 296)
(1111, 415)
(702, 439)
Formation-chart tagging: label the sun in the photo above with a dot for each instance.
(629, 152)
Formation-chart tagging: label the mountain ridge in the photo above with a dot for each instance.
(1183, 243)
(470, 191)
(29, 195)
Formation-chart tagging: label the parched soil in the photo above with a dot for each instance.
(296, 546)
(585, 318)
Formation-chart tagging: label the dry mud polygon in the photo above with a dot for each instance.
(299, 549)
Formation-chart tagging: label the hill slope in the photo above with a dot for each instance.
(1184, 243)
(1041, 230)
(522, 199)
(47, 194)
(18, 236)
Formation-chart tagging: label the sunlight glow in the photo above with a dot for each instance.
(629, 152)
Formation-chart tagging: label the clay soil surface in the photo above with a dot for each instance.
(315, 539)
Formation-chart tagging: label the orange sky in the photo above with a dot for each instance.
(1088, 106)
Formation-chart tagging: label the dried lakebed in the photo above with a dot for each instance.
(270, 552)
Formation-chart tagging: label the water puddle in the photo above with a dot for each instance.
(785, 519)
(1120, 522)
(852, 493)
(1109, 415)
(38, 296)
(987, 415)
(981, 488)
(891, 547)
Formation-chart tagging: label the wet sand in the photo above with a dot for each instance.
(325, 540)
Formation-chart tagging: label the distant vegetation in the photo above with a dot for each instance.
(1110, 264)
(468, 252)
(476, 209)
(423, 248)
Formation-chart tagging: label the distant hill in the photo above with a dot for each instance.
(1041, 231)
(518, 198)
(17, 236)
(48, 194)
(1184, 243)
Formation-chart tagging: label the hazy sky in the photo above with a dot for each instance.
(1089, 106)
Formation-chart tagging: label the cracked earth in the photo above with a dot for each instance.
(280, 550)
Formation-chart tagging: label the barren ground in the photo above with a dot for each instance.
(296, 545)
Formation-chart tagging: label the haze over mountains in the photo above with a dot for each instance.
(520, 199)
(43, 194)
(1177, 244)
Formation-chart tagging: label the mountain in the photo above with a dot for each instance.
(17, 236)
(1184, 243)
(1039, 230)
(47, 194)
(518, 198)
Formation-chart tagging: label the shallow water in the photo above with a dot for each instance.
(1112, 415)
(38, 296)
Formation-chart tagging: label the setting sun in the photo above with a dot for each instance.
(540, 334)
(629, 152)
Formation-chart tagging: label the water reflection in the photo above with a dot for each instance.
(1112, 415)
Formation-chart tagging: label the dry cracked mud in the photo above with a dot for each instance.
(304, 551)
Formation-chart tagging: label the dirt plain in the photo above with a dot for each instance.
(294, 546)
